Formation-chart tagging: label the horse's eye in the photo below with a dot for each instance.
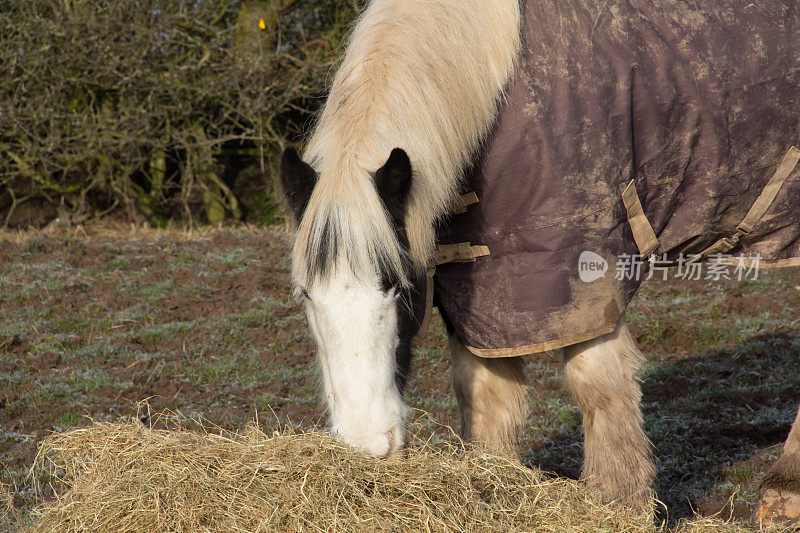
(300, 293)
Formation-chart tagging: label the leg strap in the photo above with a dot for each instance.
(759, 208)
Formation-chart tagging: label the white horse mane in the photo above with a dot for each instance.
(421, 75)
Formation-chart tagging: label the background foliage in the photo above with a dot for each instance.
(156, 109)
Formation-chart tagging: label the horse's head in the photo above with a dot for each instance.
(363, 296)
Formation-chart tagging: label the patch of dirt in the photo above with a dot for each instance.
(743, 477)
(754, 304)
(46, 362)
(14, 345)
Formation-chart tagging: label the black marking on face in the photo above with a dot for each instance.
(410, 306)
(393, 182)
(320, 262)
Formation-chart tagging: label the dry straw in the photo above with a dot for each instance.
(125, 477)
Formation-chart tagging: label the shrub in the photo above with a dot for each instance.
(156, 109)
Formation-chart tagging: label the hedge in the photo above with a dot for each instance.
(156, 109)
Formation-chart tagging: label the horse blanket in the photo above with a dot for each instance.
(630, 129)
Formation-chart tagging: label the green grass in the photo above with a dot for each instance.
(120, 262)
(197, 290)
(164, 331)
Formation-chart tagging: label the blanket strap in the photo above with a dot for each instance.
(446, 253)
(426, 320)
(461, 252)
(759, 208)
(643, 233)
(461, 203)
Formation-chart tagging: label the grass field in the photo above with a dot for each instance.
(203, 323)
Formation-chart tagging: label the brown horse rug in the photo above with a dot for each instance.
(631, 129)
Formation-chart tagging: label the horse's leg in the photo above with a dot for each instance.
(779, 492)
(601, 375)
(491, 396)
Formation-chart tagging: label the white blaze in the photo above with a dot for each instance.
(355, 326)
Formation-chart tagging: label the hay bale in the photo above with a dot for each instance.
(125, 477)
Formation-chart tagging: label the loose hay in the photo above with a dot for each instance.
(125, 477)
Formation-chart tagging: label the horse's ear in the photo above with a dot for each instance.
(393, 181)
(297, 181)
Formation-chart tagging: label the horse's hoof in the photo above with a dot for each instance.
(778, 507)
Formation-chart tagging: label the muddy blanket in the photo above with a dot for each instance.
(688, 110)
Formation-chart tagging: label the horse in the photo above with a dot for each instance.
(422, 90)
